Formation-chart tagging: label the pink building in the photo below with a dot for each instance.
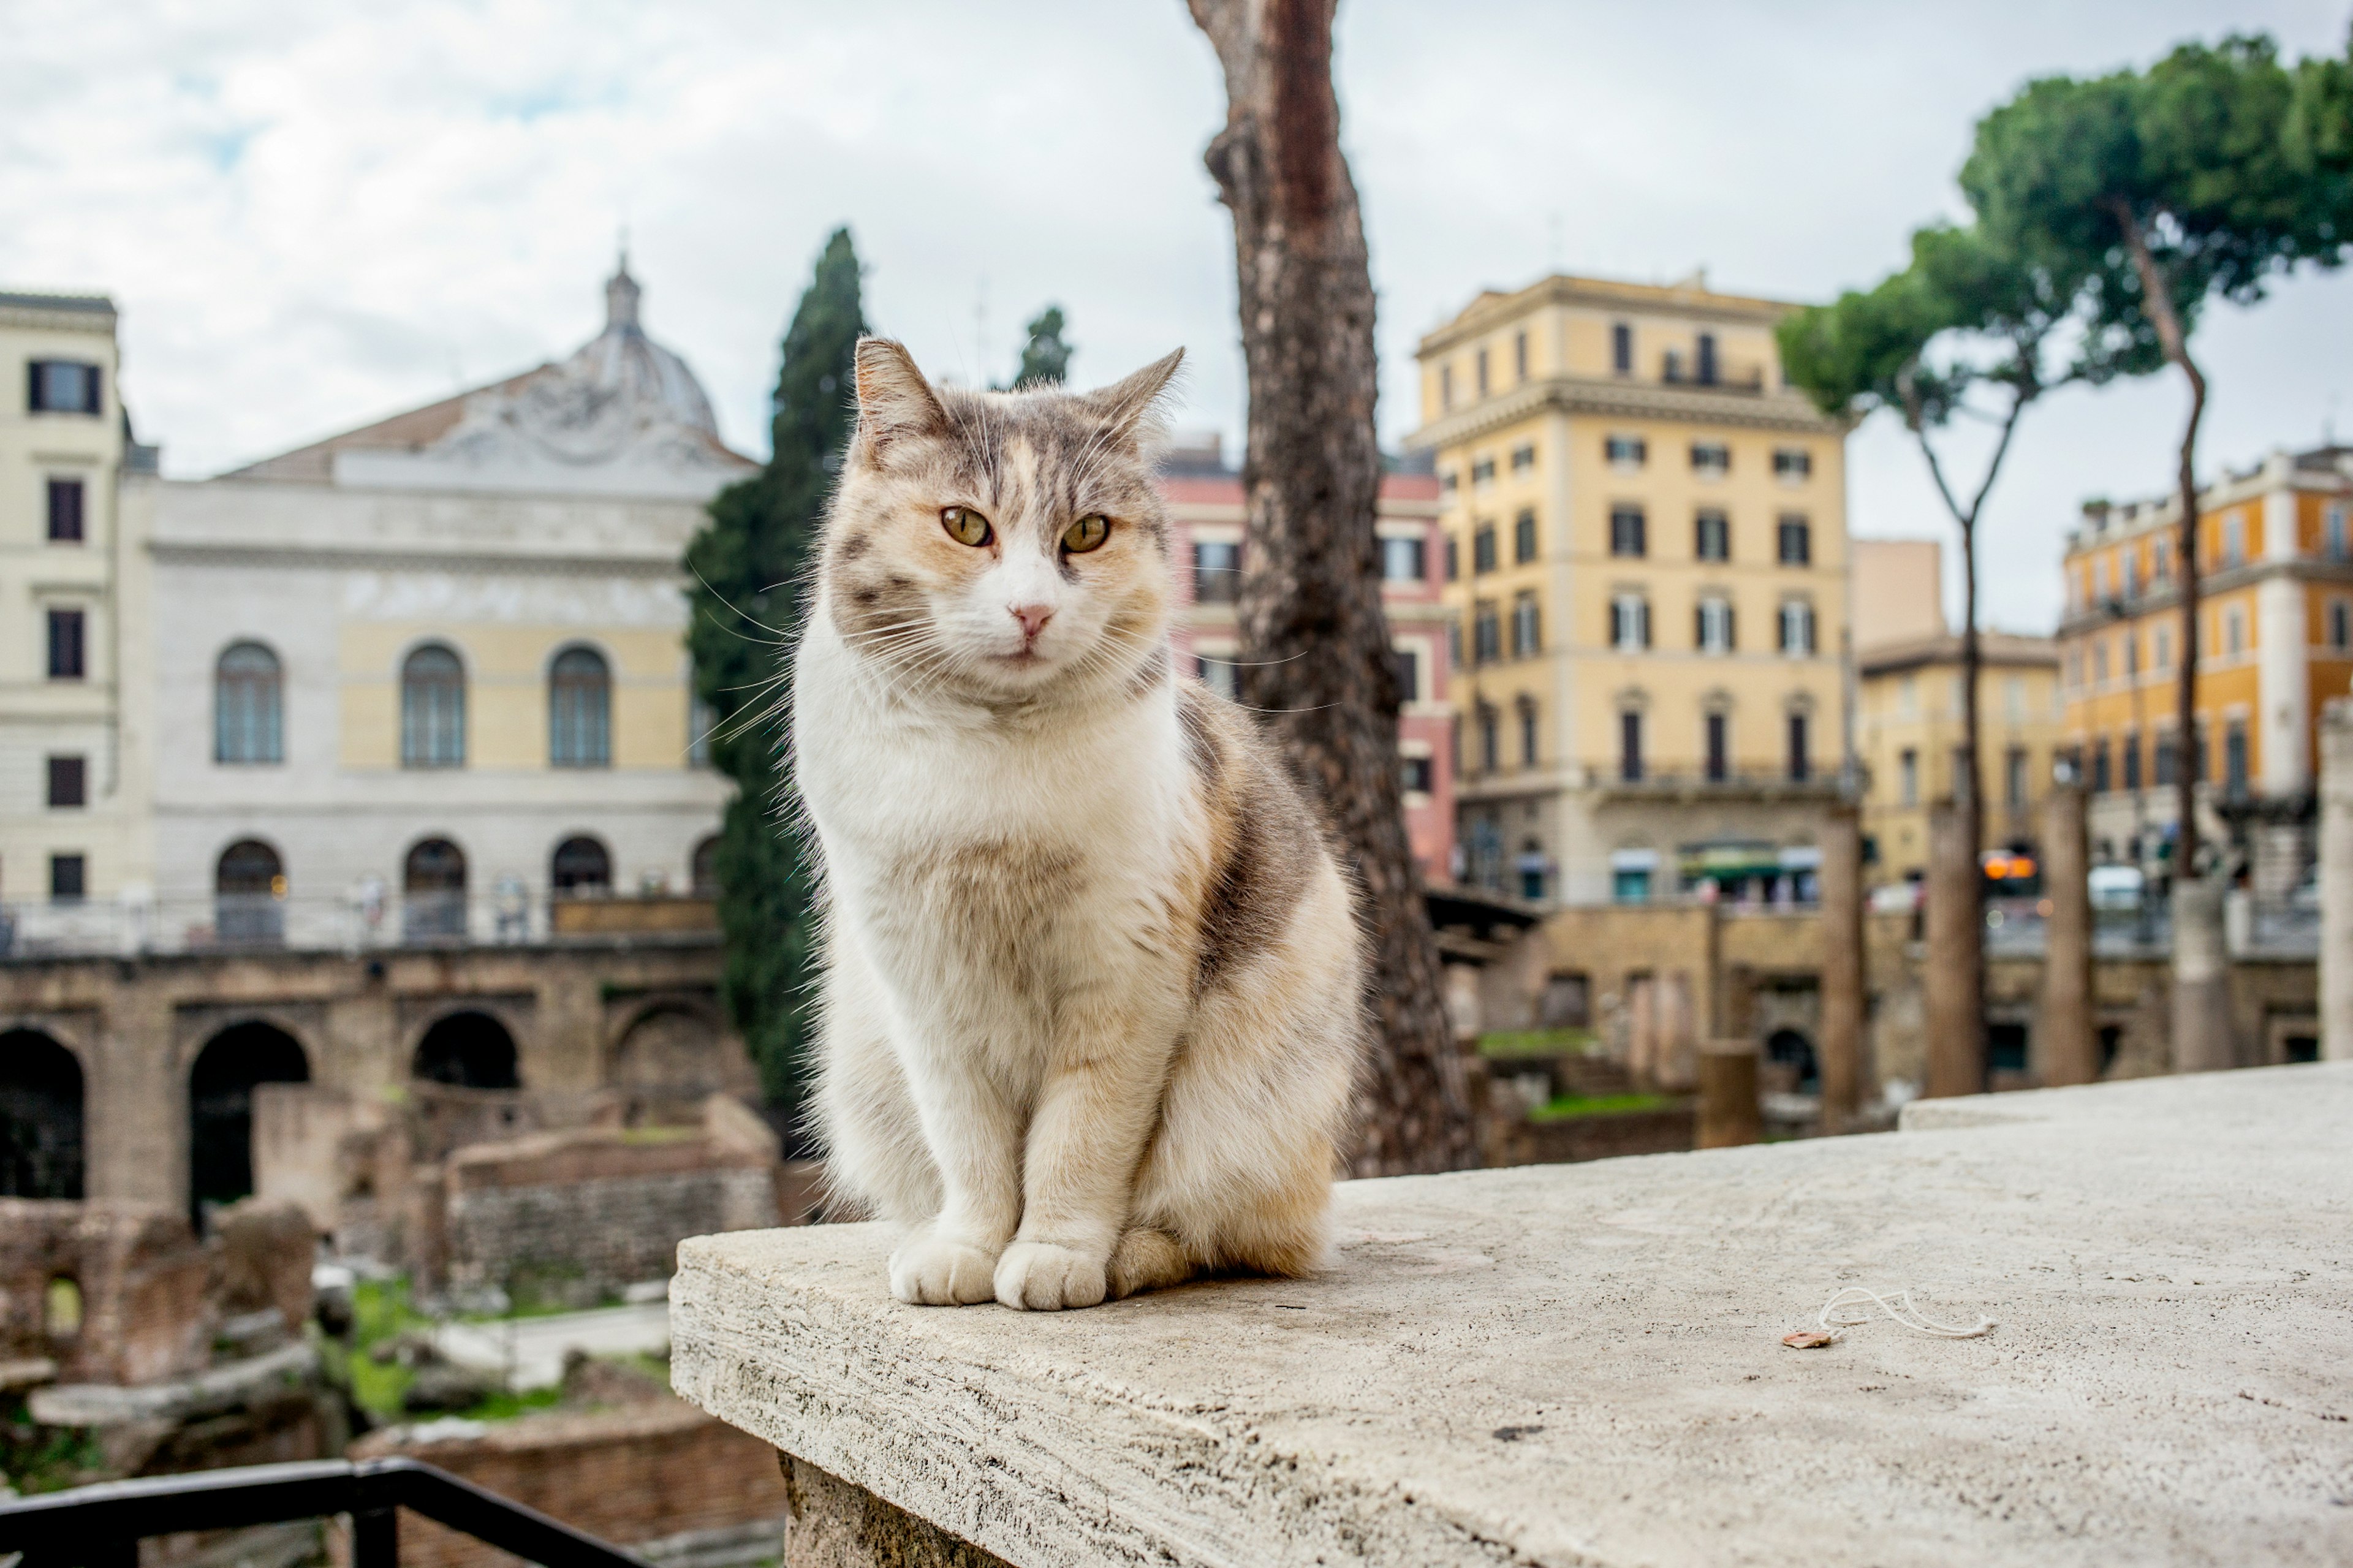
(1205, 498)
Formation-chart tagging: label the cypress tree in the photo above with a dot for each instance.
(749, 564)
(1045, 357)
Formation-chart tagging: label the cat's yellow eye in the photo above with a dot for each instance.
(966, 526)
(1086, 533)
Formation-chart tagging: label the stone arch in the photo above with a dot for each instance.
(469, 1048)
(1792, 1047)
(40, 1117)
(220, 1107)
(671, 1057)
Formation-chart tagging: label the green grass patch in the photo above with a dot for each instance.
(659, 1134)
(1570, 1106)
(505, 1405)
(1537, 1042)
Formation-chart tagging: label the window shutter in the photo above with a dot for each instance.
(1731, 628)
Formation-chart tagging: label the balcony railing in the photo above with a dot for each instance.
(1724, 375)
(101, 1526)
(246, 922)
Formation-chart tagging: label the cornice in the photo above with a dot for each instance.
(1483, 316)
(65, 318)
(2111, 612)
(1628, 400)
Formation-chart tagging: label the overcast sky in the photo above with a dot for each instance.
(312, 215)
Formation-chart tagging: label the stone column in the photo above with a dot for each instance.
(2336, 881)
(2202, 977)
(1728, 1111)
(1955, 957)
(2066, 1050)
(1841, 1058)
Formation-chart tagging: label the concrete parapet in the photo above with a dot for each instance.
(1584, 1363)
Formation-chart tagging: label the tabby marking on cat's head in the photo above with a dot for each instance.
(995, 546)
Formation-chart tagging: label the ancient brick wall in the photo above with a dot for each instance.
(577, 1217)
(138, 1281)
(630, 1475)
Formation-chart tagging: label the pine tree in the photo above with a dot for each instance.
(1045, 357)
(750, 566)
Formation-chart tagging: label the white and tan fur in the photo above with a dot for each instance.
(1092, 994)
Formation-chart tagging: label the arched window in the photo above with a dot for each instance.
(580, 869)
(248, 894)
(246, 698)
(469, 1049)
(705, 870)
(40, 1117)
(432, 709)
(433, 885)
(579, 710)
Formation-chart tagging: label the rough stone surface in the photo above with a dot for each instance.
(1582, 1365)
(837, 1525)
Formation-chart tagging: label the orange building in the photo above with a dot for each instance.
(2275, 641)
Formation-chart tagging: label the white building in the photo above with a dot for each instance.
(418, 677)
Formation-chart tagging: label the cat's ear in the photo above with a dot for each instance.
(894, 401)
(1132, 407)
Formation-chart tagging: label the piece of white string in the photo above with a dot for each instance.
(1849, 1304)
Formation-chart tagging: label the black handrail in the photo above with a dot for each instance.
(100, 1526)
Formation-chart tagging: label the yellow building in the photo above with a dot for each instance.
(73, 825)
(2275, 641)
(1646, 543)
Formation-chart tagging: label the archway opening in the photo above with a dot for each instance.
(580, 869)
(1792, 1048)
(220, 1108)
(470, 1050)
(433, 889)
(249, 894)
(704, 875)
(40, 1117)
(668, 1063)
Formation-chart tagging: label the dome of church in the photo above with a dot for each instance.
(625, 364)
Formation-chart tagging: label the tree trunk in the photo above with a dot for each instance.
(1316, 656)
(1968, 783)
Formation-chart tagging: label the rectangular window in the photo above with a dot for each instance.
(2013, 778)
(1626, 531)
(1629, 746)
(66, 645)
(1453, 644)
(62, 386)
(1801, 762)
(1453, 558)
(1409, 674)
(2131, 749)
(2161, 559)
(2169, 762)
(1418, 775)
(1793, 463)
(1795, 541)
(68, 782)
(2100, 661)
(1528, 737)
(1719, 748)
(1483, 549)
(1490, 746)
(2234, 633)
(1402, 560)
(1524, 537)
(1626, 451)
(1486, 633)
(1713, 632)
(1629, 622)
(2100, 779)
(67, 879)
(66, 511)
(1524, 458)
(2336, 541)
(2164, 648)
(2340, 625)
(1711, 459)
(1622, 348)
(1217, 573)
(2234, 756)
(2234, 539)
(1482, 373)
(1908, 774)
(1712, 538)
(2014, 699)
(1482, 471)
(1707, 365)
(1796, 627)
(1520, 355)
(1447, 480)
(1526, 640)
(1218, 674)
(2132, 575)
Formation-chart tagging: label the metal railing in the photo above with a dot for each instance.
(100, 1526)
(317, 922)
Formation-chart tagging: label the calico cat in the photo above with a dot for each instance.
(1093, 995)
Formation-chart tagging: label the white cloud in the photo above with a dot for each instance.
(312, 215)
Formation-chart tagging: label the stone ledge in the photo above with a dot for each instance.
(1581, 1365)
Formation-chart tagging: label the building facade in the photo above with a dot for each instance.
(2275, 641)
(1205, 498)
(73, 487)
(426, 678)
(1645, 551)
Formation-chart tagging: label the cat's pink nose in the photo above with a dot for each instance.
(1033, 620)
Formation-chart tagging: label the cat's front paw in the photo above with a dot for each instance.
(1039, 1276)
(938, 1271)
